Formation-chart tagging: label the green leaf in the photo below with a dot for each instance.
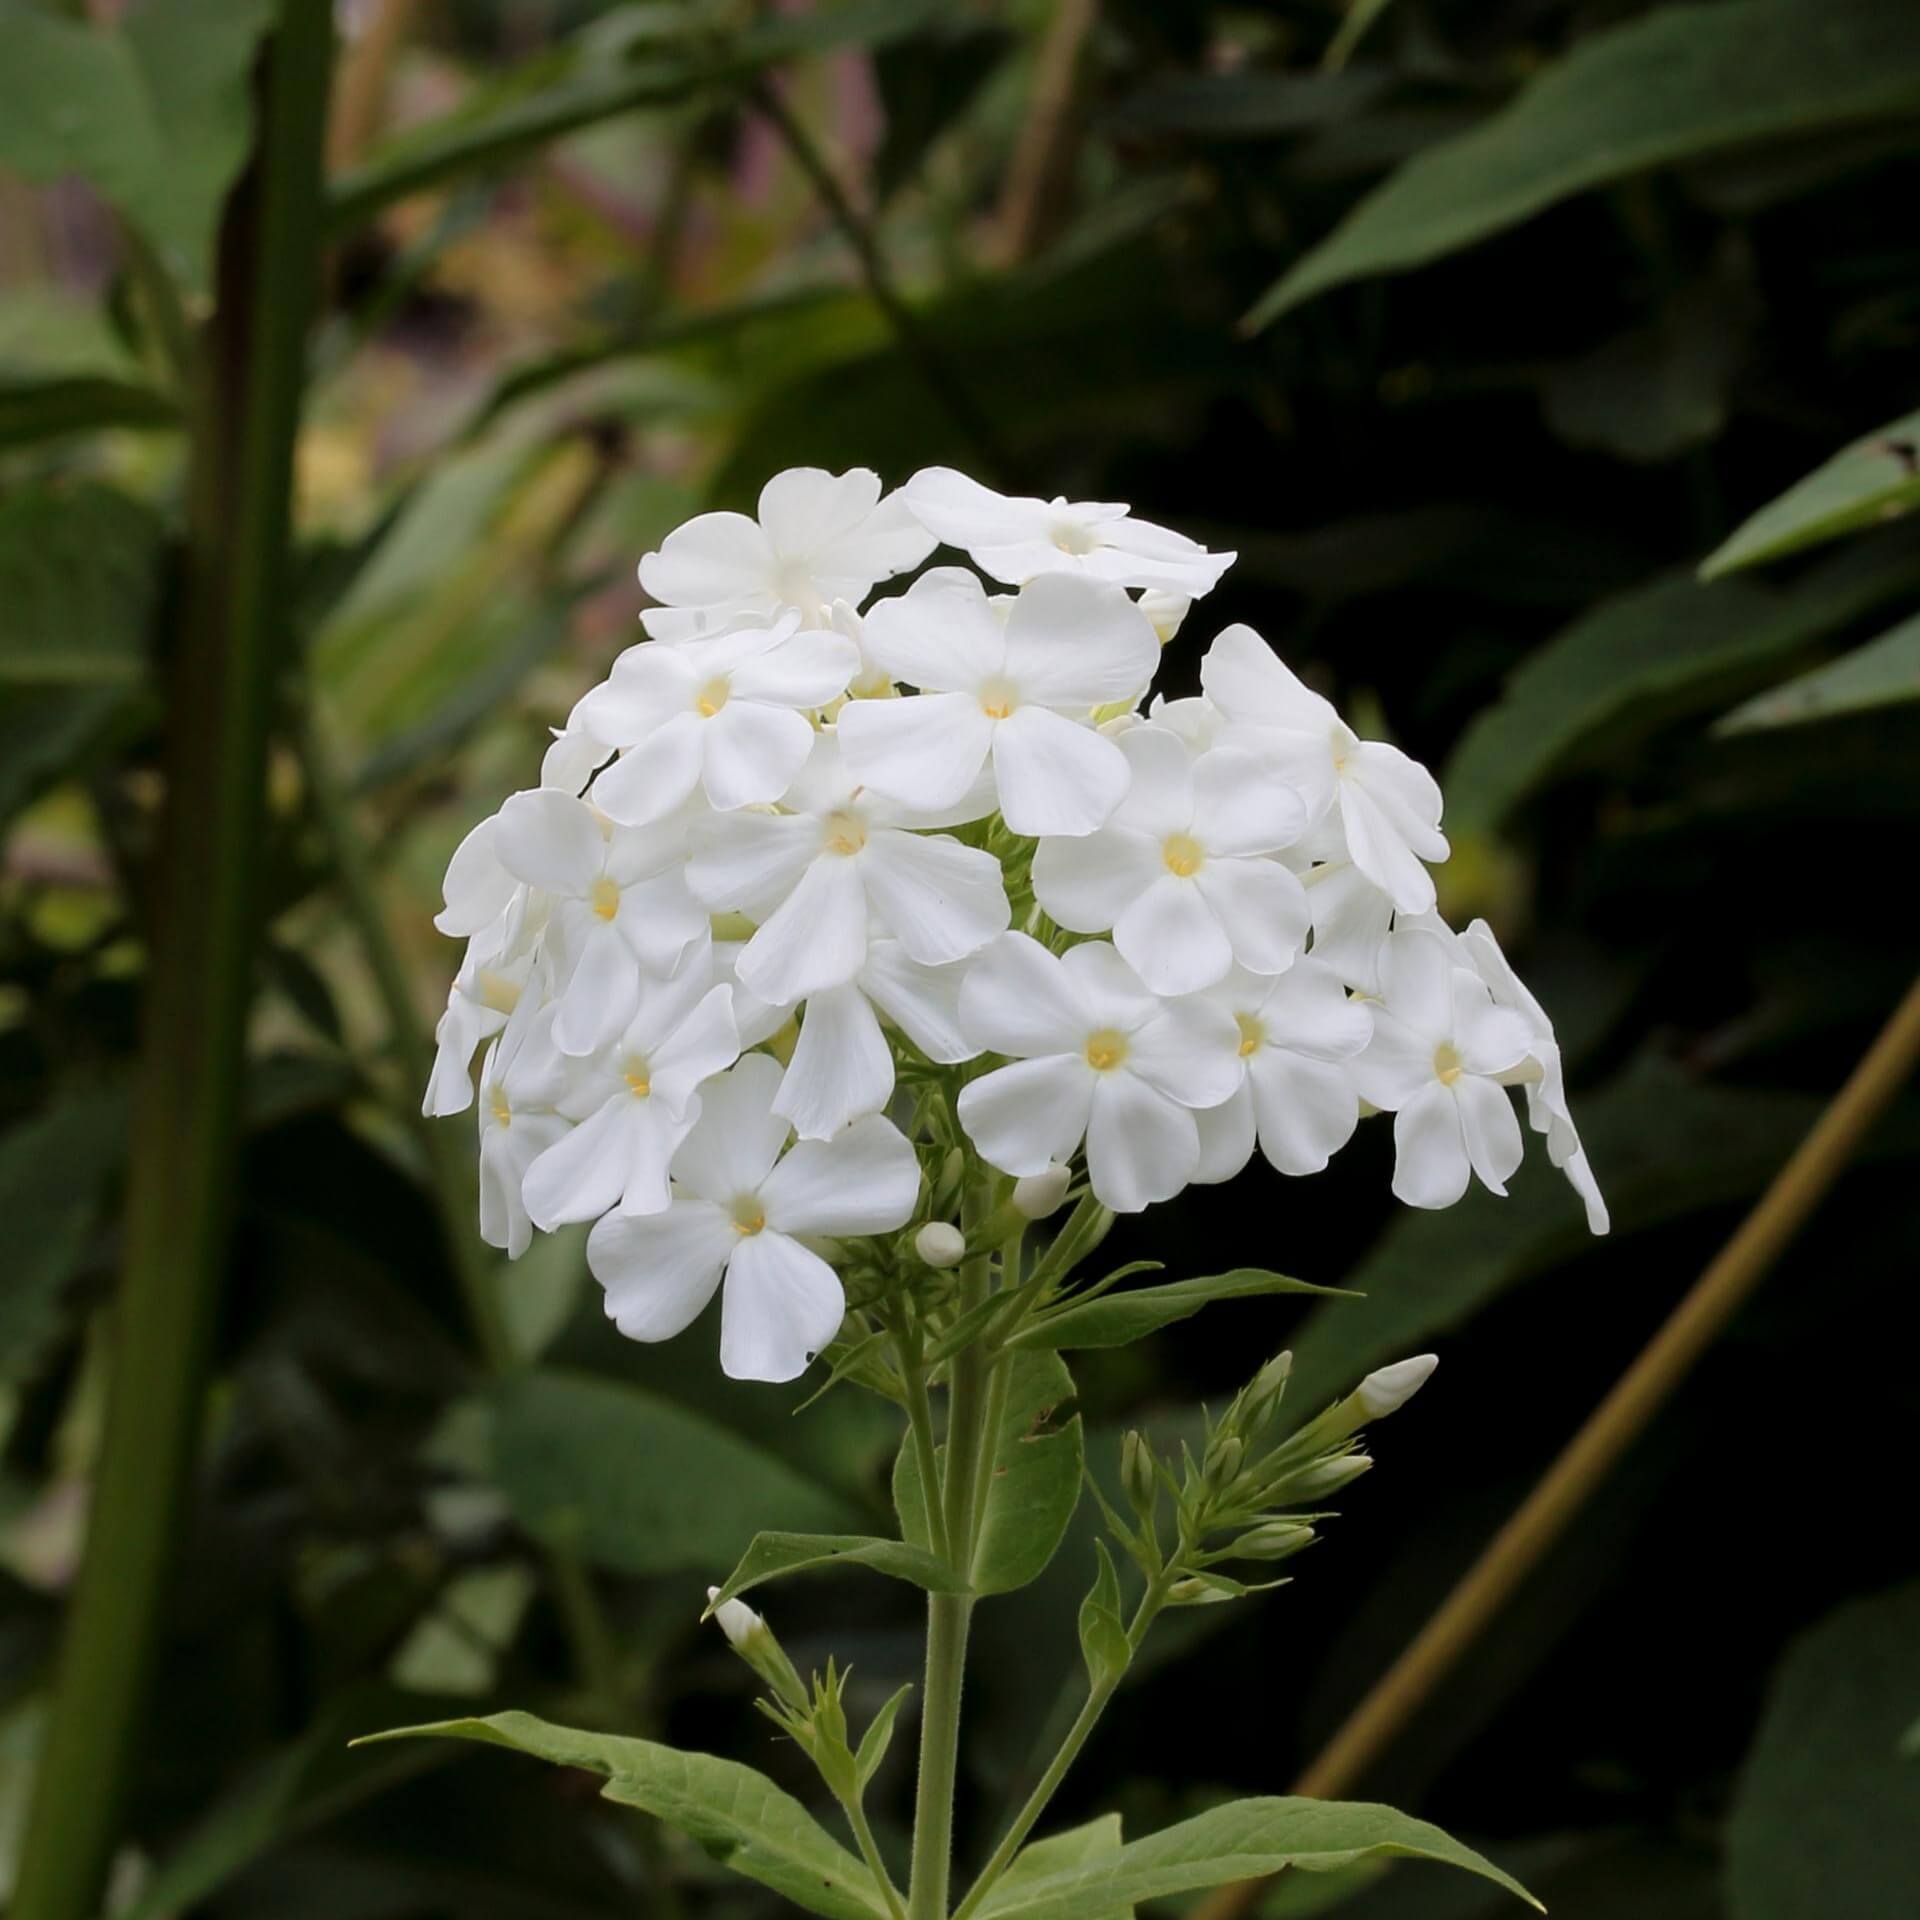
(156, 113)
(1104, 1644)
(1663, 1147)
(1079, 1846)
(774, 1554)
(79, 570)
(739, 1816)
(1883, 673)
(637, 1483)
(1683, 82)
(879, 1736)
(1826, 1818)
(1651, 656)
(36, 410)
(53, 1172)
(596, 78)
(1116, 1319)
(1032, 1487)
(1875, 479)
(1245, 1840)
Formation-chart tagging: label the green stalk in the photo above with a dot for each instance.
(187, 1099)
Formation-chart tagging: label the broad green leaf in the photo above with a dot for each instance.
(1683, 82)
(1875, 479)
(1883, 673)
(457, 1648)
(79, 570)
(53, 1171)
(1244, 1840)
(637, 1483)
(1033, 1484)
(1081, 1846)
(1662, 1147)
(35, 410)
(154, 113)
(774, 1554)
(1645, 659)
(598, 76)
(1826, 1818)
(739, 1816)
(1116, 1319)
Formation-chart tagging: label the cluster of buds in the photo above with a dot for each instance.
(1243, 1500)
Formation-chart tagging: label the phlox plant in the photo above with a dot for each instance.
(858, 959)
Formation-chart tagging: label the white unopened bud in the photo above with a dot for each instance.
(736, 1619)
(940, 1244)
(1041, 1194)
(1165, 611)
(1391, 1387)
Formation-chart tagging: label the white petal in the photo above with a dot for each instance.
(505, 1154)
(659, 919)
(1141, 1146)
(922, 1001)
(1159, 797)
(648, 781)
(782, 1305)
(963, 513)
(940, 899)
(1019, 1000)
(1350, 920)
(1026, 1116)
(1171, 937)
(1307, 1109)
(864, 1180)
(1261, 907)
(706, 1042)
(1490, 1039)
(738, 1137)
(1240, 806)
(601, 993)
(808, 669)
(1579, 1172)
(478, 888)
(749, 862)
(804, 506)
(1430, 1167)
(585, 1172)
(1404, 791)
(816, 940)
(750, 753)
(940, 635)
(1306, 1010)
(551, 841)
(1249, 683)
(925, 749)
(1189, 1051)
(1416, 982)
(887, 541)
(713, 557)
(659, 1272)
(1054, 775)
(1226, 1138)
(1397, 1065)
(649, 685)
(654, 1134)
(841, 1066)
(1380, 853)
(1076, 644)
(1112, 993)
(1085, 884)
(1490, 1129)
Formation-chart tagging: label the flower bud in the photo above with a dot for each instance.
(1165, 611)
(940, 1244)
(1223, 1462)
(1198, 1591)
(1320, 1477)
(752, 1639)
(736, 1620)
(1041, 1194)
(1273, 1540)
(1137, 1475)
(1262, 1398)
(946, 1186)
(1389, 1388)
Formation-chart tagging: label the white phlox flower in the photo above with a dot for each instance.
(1097, 1056)
(1018, 538)
(635, 1101)
(840, 869)
(1439, 1052)
(1179, 871)
(740, 1211)
(521, 1081)
(1388, 805)
(820, 537)
(727, 715)
(1017, 693)
(1351, 917)
(620, 906)
(1299, 1035)
(479, 1004)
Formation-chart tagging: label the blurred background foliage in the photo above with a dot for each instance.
(1477, 329)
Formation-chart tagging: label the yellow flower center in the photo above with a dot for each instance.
(1182, 853)
(639, 1078)
(998, 698)
(1253, 1036)
(748, 1215)
(844, 833)
(1071, 537)
(713, 696)
(605, 898)
(1106, 1050)
(502, 1113)
(1447, 1064)
(497, 991)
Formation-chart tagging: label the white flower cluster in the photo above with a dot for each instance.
(779, 846)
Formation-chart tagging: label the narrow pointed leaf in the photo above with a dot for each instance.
(1245, 1840)
(1883, 673)
(879, 1736)
(739, 1816)
(1116, 1319)
(774, 1554)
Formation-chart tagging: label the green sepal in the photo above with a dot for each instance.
(1103, 1634)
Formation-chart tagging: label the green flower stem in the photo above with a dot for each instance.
(186, 1119)
(1024, 1822)
(856, 1813)
(920, 1422)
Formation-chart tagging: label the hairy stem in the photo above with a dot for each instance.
(870, 1852)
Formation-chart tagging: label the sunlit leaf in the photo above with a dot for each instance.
(1682, 82)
